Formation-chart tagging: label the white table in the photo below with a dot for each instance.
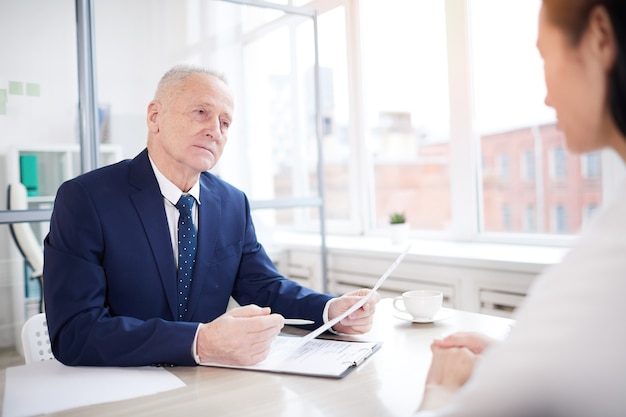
(390, 383)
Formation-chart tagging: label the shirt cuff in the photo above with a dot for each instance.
(194, 347)
(325, 316)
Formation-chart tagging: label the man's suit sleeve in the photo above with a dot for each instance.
(261, 283)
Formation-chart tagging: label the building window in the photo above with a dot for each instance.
(503, 167)
(560, 220)
(530, 222)
(528, 165)
(591, 165)
(506, 218)
(558, 163)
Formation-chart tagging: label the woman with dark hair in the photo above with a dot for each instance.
(565, 354)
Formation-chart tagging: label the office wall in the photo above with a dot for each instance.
(38, 47)
(131, 55)
(38, 84)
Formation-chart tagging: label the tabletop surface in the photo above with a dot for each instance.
(389, 383)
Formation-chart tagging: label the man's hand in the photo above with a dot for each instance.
(358, 322)
(241, 336)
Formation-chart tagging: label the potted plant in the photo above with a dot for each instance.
(397, 218)
(399, 228)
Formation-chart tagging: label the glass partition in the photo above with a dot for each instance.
(38, 124)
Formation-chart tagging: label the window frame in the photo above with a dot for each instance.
(464, 143)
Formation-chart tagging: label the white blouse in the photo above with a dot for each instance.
(566, 354)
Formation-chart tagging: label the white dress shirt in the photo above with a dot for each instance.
(171, 193)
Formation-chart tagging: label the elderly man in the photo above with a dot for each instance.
(143, 255)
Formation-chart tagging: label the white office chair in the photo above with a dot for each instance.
(23, 235)
(35, 339)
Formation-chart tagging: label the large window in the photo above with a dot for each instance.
(433, 108)
(511, 120)
(407, 111)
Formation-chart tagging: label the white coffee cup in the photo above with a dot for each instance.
(421, 304)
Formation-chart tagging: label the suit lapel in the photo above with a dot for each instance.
(148, 202)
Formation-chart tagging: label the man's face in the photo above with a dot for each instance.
(192, 122)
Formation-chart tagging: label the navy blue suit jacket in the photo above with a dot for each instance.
(110, 274)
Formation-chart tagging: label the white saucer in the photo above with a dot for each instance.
(443, 314)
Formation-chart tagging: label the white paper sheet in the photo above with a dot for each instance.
(330, 358)
(48, 386)
(357, 305)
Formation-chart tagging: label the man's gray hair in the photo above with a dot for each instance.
(179, 73)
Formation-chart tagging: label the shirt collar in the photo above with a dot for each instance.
(170, 191)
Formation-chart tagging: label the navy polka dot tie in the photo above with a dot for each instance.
(187, 242)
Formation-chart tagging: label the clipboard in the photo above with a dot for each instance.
(328, 358)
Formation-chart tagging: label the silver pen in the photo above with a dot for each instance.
(298, 322)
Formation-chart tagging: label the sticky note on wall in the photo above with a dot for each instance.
(3, 101)
(29, 174)
(16, 88)
(33, 90)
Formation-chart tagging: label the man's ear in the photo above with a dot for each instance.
(602, 37)
(154, 109)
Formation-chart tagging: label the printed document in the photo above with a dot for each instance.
(308, 355)
(319, 357)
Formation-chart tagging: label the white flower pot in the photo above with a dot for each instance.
(399, 233)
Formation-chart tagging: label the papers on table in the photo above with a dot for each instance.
(310, 356)
(319, 357)
(49, 386)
